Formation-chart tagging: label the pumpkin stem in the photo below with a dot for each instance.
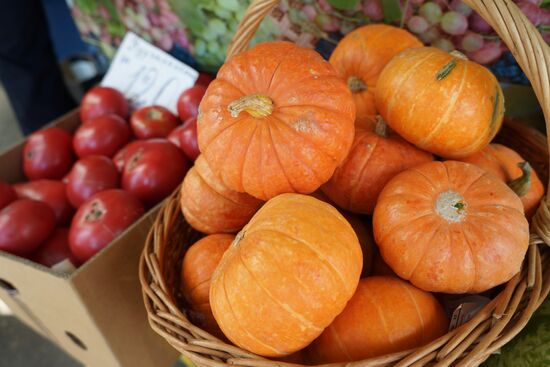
(356, 84)
(522, 184)
(450, 205)
(458, 55)
(257, 105)
(381, 128)
(154, 114)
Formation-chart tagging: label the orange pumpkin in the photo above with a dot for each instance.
(451, 227)
(276, 119)
(440, 102)
(385, 315)
(361, 56)
(376, 156)
(209, 206)
(198, 265)
(511, 168)
(287, 275)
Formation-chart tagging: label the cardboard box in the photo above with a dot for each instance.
(95, 314)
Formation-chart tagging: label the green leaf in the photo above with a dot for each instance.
(343, 4)
(392, 11)
(545, 4)
(108, 4)
(115, 28)
(87, 6)
(191, 14)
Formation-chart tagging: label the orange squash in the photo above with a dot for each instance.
(209, 206)
(385, 315)
(198, 265)
(287, 275)
(361, 56)
(511, 168)
(440, 101)
(376, 156)
(276, 119)
(451, 227)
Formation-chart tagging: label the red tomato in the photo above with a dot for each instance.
(54, 250)
(24, 225)
(153, 122)
(205, 79)
(101, 136)
(185, 137)
(189, 100)
(101, 101)
(154, 171)
(129, 149)
(124, 153)
(48, 153)
(100, 220)
(89, 176)
(49, 192)
(7, 194)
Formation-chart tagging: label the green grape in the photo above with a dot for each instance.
(232, 5)
(443, 44)
(431, 12)
(223, 13)
(417, 24)
(200, 47)
(454, 23)
(218, 27)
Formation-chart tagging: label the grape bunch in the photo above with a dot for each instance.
(451, 25)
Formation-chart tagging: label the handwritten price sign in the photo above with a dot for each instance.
(146, 75)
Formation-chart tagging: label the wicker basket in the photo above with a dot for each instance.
(469, 345)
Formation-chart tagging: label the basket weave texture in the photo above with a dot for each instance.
(470, 344)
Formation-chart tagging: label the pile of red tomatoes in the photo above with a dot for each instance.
(86, 188)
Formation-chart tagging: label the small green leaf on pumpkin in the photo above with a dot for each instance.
(446, 70)
(392, 10)
(343, 4)
(460, 205)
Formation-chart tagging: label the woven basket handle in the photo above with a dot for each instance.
(519, 34)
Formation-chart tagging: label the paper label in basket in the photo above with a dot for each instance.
(146, 75)
(466, 310)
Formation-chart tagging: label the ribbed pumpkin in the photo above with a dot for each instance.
(451, 227)
(209, 206)
(511, 168)
(287, 275)
(198, 265)
(361, 56)
(440, 101)
(276, 119)
(385, 315)
(376, 156)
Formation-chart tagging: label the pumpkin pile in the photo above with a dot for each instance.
(299, 156)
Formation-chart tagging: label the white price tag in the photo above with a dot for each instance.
(146, 75)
